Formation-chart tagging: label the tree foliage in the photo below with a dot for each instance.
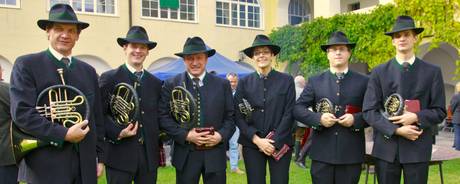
(302, 43)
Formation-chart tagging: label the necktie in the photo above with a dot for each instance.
(138, 75)
(66, 61)
(406, 66)
(340, 75)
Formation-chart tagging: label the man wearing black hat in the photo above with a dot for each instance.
(337, 149)
(74, 152)
(403, 142)
(271, 95)
(133, 150)
(199, 149)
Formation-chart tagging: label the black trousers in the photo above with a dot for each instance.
(256, 162)
(141, 176)
(324, 173)
(9, 174)
(389, 173)
(194, 168)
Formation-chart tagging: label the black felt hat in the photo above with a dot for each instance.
(337, 38)
(259, 41)
(195, 45)
(61, 13)
(404, 23)
(136, 34)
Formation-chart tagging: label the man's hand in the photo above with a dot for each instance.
(76, 133)
(197, 138)
(410, 132)
(129, 131)
(264, 145)
(212, 140)
(99, 169)
(407, 118)
(347, 120)
(328, 120)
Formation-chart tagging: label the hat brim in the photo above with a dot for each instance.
(210, 53)
(250, 50)
(123, 41)
(44, 23)
(417, 30)
(324, 47)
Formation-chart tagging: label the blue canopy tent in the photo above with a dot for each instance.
(218, 63)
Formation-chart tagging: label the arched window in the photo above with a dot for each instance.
(238, 13)
(299, 11)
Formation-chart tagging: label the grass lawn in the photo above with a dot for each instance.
(451, 172)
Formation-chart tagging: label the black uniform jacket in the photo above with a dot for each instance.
(32, 74)
(5, 122)
(272, 98)
(121, 154)
(423, 81)
(217, 111)
(336, 144)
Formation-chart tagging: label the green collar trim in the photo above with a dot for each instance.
(131, 74)
(400, 66)
(57, 62)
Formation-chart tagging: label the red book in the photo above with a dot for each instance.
(350, 109)
(412, 105)
(278, 154)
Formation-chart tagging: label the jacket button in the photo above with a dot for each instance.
(338, 94)
(142, 112)
(336, 133)
(140, 125)
(337, 81)
(261, 110)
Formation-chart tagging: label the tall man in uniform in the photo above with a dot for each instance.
(8, 168)
(214, 101)
(271, 95)
(133, 150)
(403, 142)
(338, 148)
(81, 145)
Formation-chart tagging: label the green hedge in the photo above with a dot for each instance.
(302, 43)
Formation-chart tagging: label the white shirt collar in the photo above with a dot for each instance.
(58, 55)
(201, 77)
(410, 60)
(335, 71)
(131, 69)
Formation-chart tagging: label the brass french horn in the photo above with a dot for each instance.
(62, 104)
(183, 107)
(124, 104)
(393, 106)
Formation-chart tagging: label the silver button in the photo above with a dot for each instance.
(140, 125)
(336, 133)
(261, 110)
(142, 112)
(338, 94)
(140, 99)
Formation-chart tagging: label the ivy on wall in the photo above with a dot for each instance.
(302, 43)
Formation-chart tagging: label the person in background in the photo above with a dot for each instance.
(300, 128)
(455, 107)
(234, 151)
(8, 168)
